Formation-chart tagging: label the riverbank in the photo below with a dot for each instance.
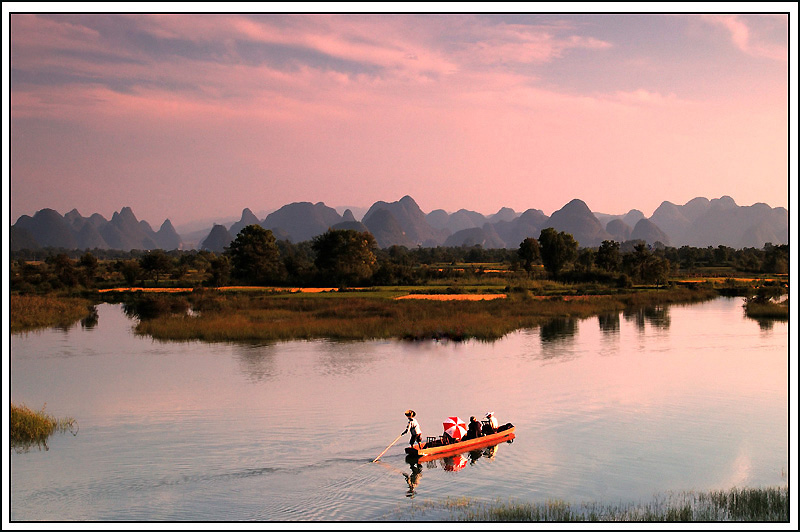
(760, 505)
(226, 317)
(28, 427)
(30, 312)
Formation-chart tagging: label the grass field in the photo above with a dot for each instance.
(29, 312)
(378, 314)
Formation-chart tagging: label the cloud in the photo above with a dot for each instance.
(436, 103)
(745, 34)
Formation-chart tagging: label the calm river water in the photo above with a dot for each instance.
(614, 409)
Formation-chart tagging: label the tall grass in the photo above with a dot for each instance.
(767, 310)
(769, 504)
(30, 312)
(363, 316)
(28, 427)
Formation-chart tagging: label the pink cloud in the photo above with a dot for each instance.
(477, 112)
(747, 40)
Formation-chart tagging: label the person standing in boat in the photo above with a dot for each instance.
(493, 423)
(413, 427)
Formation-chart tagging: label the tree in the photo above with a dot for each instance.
(254, 256)
(156, 263)
(529, 253)
(345, 256)
(646, 267)
(64, 269)
(219, 269)
(130, 270)
(586, 259)
(90, 264)
(558, 250)
(608, 257)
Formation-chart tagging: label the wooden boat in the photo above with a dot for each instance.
(434, 448)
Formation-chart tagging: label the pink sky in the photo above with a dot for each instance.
(192, 117)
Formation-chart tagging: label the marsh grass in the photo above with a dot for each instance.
(220, 317)
(29, 312)
(738, 504)
(767, 310)
(28, 427)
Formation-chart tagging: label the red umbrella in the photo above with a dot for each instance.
(455, 427)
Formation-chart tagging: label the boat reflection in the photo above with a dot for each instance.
(451, 463)
(457, 461)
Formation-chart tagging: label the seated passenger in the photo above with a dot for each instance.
(493, 423)
(474, 430)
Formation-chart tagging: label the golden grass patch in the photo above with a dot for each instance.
(453, 297)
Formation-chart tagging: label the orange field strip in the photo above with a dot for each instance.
(448, 297)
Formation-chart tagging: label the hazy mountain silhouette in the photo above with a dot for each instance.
(673, 220)
(167, 237)
(49, 228)
(217, 240)
(248, 218)
(503, 215)
(411, 219)
(347, 216)
(738, 227)
(576, 219)
(386, 229)
(699, 223)
(438, 218)
(619, 230)
(351, 226)
(528, 224)
(702, 222)
(21, 238)
(485, 236)
(73, 231)
(649, 232)
(303, 220)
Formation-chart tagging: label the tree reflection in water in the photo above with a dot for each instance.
(609, 323)
(90, 321)
(655, 316)
(558, 329)
(257, 361)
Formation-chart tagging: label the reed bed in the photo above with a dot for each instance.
(30, 312)
(362, 316)
(776, 311)
(770, 504)
(28, 427)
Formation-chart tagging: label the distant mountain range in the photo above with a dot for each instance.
(699, 223)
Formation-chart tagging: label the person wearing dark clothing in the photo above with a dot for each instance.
(474, 429)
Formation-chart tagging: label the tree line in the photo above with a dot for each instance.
(343, 258)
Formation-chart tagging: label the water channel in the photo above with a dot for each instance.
(617, 408)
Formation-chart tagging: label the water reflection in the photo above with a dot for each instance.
(344, 358)
(90, 321)
(656, 316)
(257, 361)
(558, 329)
(609, 323)
(413, 479)
(558, 339)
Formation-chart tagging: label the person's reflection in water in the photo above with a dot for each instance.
(413, 479)
(489, 452)
(474, 456)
